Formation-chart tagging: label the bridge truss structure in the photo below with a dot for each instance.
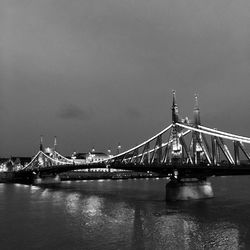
(45, 160)
(187, 142)
(184, 145)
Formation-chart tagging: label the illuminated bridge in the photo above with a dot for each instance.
(186, 151)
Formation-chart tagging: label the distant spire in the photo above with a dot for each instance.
(55, 143)
(196, 111)
(174, 98)
(196, 106)
(41, 143)
(175, 114)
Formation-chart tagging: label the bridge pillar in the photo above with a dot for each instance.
(47, 180)
(188, 189)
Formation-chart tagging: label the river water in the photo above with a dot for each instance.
(123, 214)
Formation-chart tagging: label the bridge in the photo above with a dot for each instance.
(185, 150)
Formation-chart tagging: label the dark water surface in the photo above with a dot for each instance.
(123, 214)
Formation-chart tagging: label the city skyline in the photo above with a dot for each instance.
(98, 73)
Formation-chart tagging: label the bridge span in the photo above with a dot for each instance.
(185, 151)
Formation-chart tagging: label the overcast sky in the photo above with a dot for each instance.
(99, 72)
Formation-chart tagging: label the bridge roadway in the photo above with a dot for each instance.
(184, 171)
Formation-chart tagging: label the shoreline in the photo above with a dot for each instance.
(10, 177)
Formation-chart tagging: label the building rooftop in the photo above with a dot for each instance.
(85, 155)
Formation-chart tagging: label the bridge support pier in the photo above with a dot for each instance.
(188, 189)
(47, 180)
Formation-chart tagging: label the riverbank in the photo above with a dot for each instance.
(8, 177)
(80, 175)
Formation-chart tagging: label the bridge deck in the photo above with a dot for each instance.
(184, 171)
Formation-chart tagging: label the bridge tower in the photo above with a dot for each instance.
(187, 188)
(196, 112)
(55, 144)
(201, 151)
(176, 147)
(175, 112)
(41, 144)
(196, 141)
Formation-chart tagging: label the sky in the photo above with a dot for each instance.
(96, 73)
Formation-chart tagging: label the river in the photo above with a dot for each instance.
(123, 214)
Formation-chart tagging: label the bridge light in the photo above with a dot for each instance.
(109, 153)
(176, 174)
(198, 148)
(119, 148)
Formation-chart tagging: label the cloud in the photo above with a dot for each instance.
(103, 60)
(73, 112)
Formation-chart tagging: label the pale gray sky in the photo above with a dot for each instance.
(99, 72)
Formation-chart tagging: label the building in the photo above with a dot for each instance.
(13, 163)
(90, 158)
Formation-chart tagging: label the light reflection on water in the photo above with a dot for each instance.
(183, 232)
(124, 214)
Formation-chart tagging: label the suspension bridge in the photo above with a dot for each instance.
(186, 151)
